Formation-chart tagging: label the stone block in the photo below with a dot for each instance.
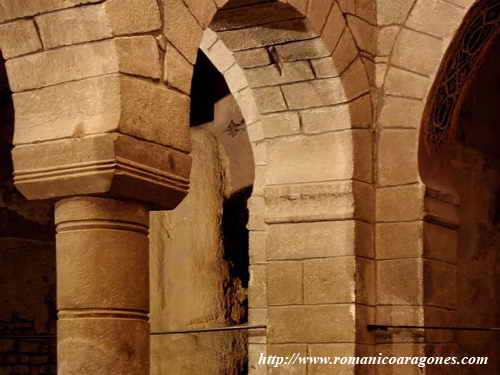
(139, 55)
(317, 13)
(386, 39)
(235, 78)
(435, 17)
(178, 72)
(315, 93)
(402, 83)
(252, 58)
(303, 50)
(308, 158)
(12, 9)
(256, 208)
(76, 25)
(356, 114)
(257, 247)
(208, 40)
(182, 30)
(19, 38)
(417, 52)
(133, 16)
(355, 80)
(103, 104)
(319, 240)
(246, 102)
(271, 75)
(339, 280)
(399, 240)
(286, 351)
(112, 164)
(257, 288)
(401, 113)
(334, 26)
(254, 353)
(319, 201)
(280, 124)
(391, 12)
(397, 157)
(400, 203)
(284, 283)
(317, 324)
(400, 282)
(267, 35)
(203, 11)
(269, 99)
(246, 17)
(221, 56)
(62, 65)
(364, 33)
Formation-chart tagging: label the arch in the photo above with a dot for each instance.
(303, 81)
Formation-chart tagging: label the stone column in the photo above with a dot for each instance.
(103, 287)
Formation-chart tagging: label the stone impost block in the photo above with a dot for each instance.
(331, 156)
(399, 240)
(109, 164)
(110, 103)
(322, 239)
(319, 201)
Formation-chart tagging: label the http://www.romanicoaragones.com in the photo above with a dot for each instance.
(380, 359)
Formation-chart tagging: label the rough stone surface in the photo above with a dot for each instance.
(182, 30)
(133, 16)
(139, 55)
(19, 38)
(273, 75)
(12, 9)
(178, 72)
(321, 201)
(215, 296)
(62, 65)
(319, 240)
(402, 83)
(309, 157)
(284, 281)
(317, 324)
(73, 26)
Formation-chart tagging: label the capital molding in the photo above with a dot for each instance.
(111, 164)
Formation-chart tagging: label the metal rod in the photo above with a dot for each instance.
(204, 330)
(154, 333)
(374, 327)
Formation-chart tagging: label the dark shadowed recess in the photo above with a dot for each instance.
(208, 87)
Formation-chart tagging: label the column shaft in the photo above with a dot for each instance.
(103, 287)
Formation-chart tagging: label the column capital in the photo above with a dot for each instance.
(110, 165)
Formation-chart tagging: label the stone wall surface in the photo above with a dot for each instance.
(191, 285)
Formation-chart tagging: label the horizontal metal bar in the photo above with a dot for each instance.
(153, 333)
(204, 330)
(375, 327)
